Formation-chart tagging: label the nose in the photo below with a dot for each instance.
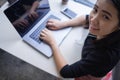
(94, 19)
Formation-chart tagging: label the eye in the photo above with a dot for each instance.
(95, 10)
(105, 17)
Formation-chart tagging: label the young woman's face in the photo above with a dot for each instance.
(103, 18)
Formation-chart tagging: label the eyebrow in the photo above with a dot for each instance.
(107, 13)
(104, 11)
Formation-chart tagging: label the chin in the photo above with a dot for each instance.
(93, 32)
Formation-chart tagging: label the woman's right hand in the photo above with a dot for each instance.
(54, 24)
(47, 36)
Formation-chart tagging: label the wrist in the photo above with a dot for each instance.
(53, 43)
(65, 24)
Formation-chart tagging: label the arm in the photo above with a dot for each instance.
(81, 20)
(59, 59)
(56, 24)
(46, 35)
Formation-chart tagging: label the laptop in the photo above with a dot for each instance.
(30, 34)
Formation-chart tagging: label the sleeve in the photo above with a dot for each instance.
(72, 71)
(95, 64)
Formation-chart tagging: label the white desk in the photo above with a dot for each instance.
(11, 42)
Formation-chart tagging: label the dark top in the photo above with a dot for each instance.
(27, 2)
(98, 57)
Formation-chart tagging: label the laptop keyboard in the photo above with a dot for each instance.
(36, 34)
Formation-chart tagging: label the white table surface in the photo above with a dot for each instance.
(11, 42)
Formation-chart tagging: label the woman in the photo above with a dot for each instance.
(101, 50)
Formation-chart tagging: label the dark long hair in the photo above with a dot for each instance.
(116, 4)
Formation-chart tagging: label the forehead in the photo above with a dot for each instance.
(107, 5)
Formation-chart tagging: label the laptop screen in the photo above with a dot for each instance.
(18, 13)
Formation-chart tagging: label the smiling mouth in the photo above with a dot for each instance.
(93, 27)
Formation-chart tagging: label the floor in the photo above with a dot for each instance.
(13, 68)
(2, 2)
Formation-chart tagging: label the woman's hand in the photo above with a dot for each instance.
(54, 24)
(46, 36)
